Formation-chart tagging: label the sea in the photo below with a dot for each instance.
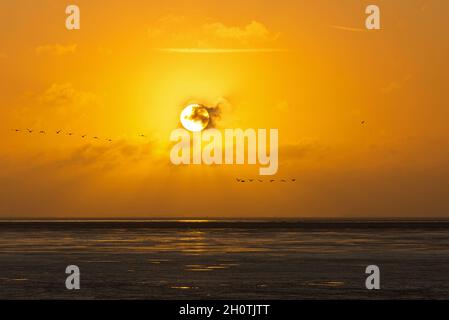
(288, 259)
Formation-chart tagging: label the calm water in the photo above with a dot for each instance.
(224, 260)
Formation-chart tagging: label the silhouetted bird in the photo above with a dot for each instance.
(363, 122)
(260, 180)
(16, 130)
(110, 140)
(42, 132)
(70, 134)
(83, 136)
(293, 180)
(96, 138)
(58, 132)
(251, 180)
(272, 180)
(142, 135)
(30, 131)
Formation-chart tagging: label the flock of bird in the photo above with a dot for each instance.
(30, 131)
(60, 132)
(239, 180)
(262, 180)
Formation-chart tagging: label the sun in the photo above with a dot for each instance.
(195, 117)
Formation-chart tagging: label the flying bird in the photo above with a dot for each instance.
(58, 132)
(110, 140)
(293, 180)
(70, 134)
(363, 122)
(272, 180)
(42, 132)
(83, 136)
(16, 130)
(260, 180)
(142, 135)
(96, 138)
(30, 131)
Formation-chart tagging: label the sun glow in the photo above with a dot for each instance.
(195, 117)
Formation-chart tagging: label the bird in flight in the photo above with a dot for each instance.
(260, 180)
(293, 180)
(96, 138)
(110, 140)
(58, 132)
(42, 132)
(16, 130)
(83, 136)
(363, 122)
(272, 180)
(142, 135)
(70, 134)
(30, 131)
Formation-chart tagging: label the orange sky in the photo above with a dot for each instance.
(307, 68)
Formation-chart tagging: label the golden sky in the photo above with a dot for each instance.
(307, 68)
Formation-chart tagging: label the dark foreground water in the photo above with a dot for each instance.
(225, 260)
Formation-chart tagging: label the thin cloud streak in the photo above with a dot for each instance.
(218, 50)
(348, 28)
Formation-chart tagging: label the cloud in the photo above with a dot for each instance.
(200, 114)
(392, 86)
(254, 32)
(165, 25)
(108, 156)
(219, 111)
(395, 85)
(210, 37)
(301, 150)
(61, 181)
(218, 50)
(63, 94)
(56, 49)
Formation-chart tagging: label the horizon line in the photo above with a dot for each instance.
(197, 219)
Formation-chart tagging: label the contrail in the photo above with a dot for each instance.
(348, 28)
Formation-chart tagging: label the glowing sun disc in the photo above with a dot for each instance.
(195, 117)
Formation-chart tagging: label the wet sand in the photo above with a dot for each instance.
(224, 259)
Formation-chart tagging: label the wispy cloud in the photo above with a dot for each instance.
(56, 49)
(219, 50)
(251, 33)
(344, 28)
(180, 35)
(302, 149)
(108, 156)
(64, 94)
(396, 84)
